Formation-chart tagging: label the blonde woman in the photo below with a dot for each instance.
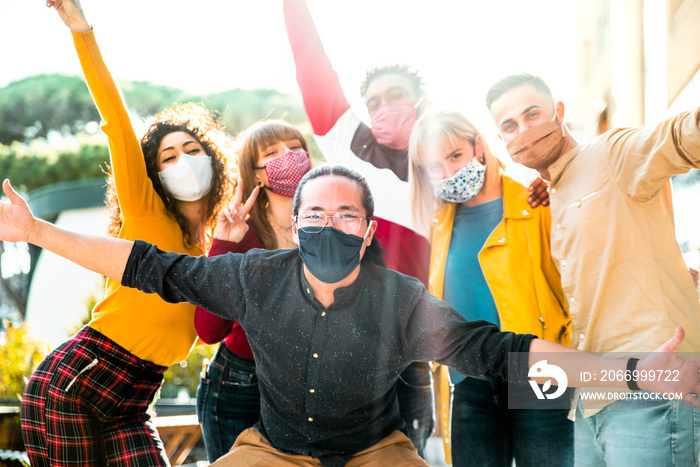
(490, 261)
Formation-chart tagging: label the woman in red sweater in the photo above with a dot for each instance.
(273, 157)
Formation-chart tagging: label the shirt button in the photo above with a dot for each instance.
(311, 419)
(526, 212)
(323, 313)
(435, 221)
(312, 390)
(582, 337)
(315, 355)
(563, 262)
(571, 299)
(557, 227)
(552, 190)
(502, 240)
(308, 290)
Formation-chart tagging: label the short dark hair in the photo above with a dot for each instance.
(406, 71)
(513, 81)
(373, 253)
(341, 171)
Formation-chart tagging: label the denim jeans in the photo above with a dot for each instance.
(639, 432)
(415, 394)
(485, 433)
(228, 401)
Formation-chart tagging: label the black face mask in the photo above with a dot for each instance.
(330, 255)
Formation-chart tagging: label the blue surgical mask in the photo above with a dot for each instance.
(330, 255)
(463, 185)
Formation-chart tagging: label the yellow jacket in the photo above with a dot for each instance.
(520, 272)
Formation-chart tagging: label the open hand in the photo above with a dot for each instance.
(672, 374)
(539, 193)
(16, 220)
(71, 13)
(231, 225)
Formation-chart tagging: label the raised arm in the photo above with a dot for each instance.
(232, 236)
(324, 99)
(104, 255)
(135, 191)
(71, 13)
(643, 159)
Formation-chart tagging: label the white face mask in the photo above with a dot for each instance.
(189, 179)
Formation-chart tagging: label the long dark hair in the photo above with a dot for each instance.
(198, 122)
(373, 253)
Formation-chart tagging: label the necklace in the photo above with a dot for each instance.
(283, 232)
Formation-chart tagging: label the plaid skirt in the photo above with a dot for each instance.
(86, 404)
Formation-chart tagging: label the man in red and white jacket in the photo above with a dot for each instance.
(394, 96)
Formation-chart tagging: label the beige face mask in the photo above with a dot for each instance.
(538, 147)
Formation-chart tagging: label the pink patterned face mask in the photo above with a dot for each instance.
(392, 124)
(286, 171)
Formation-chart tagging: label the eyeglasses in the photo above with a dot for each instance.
(315, 221)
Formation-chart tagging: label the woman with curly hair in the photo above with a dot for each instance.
(273, 155)
(86, 403)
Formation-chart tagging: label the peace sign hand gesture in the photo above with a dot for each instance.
(231, 224)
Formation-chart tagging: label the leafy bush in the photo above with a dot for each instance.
(36, 165)
(19, 356)
(185, 375)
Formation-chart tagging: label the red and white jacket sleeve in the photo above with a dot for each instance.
(324, 99)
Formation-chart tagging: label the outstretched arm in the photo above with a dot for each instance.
(684, 380)
(324, 99)
(101, 254)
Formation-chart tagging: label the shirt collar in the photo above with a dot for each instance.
(342, 295)
(556, 169)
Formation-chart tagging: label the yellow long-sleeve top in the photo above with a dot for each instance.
(143, 324)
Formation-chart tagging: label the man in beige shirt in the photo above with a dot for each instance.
(622, 271)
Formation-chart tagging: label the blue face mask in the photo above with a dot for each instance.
(463, 185)
(330, 255)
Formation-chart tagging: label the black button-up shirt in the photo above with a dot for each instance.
(327, 376)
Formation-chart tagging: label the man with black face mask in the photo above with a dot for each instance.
(395, 96)
(622, 271)
(330, 344)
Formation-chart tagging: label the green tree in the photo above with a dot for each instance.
(32, 107)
